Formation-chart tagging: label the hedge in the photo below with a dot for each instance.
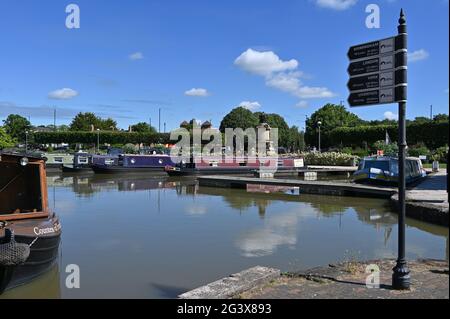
(105, 137)
(432, 134)
(329, 159)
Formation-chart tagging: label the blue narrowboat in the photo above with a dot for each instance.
(384, 170)
(129, 163)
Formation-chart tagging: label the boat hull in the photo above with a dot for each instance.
(72, 169)
(122, 169)
(245, 171)
(43, 252)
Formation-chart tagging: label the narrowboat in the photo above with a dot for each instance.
(128, 163)
(81, 163)
(384, 170)
(236, 166)
(29, 232)
(56, 161)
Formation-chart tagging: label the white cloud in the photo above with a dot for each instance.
(390, 116)
(197, 92)
(279, 74)
(252, 106)
(63, 94)
(418, 55)
(136, 56)
(263, 62)
(336, 4)
(302, 104)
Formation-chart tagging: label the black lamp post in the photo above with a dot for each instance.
(26, 142)
(401, 278)
(319, 123)
(98, 141)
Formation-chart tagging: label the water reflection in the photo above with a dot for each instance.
(169, 235)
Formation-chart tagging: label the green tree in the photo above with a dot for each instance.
(108, 125)
(331, 116)
(421, 120)
(85, 121)
(276, 121)
(295, 139)
(5, 139)
(143, 127)
(441, 117)
(16, 125)
(239, 117)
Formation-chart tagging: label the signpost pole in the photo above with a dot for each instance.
(401, 277)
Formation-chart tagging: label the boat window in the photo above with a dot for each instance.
(58, 159)
(383, 165)
(394, 167)
(82, 160)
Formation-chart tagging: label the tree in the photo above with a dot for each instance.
(239, 117)
(85, 121)
(440, 117)
(276, 121)
(331, 116)
(421, 120)
(143, 127)
(16, 125)
(108, 125)
(5, 139)
(295, 139)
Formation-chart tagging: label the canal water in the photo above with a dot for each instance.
(157, 237)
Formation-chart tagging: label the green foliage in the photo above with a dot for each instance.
(440, 154)
(143, 127)
(16, 125)
(388, 149)
(276, 121)
(5, 139)
(329, 159)
(105, 137)
(295, 139)
(418, 149)
(440, 118)
(332, 116)
(85, 122)
(433, 134)
(129, 149)
(239, 117)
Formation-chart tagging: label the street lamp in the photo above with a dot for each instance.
(26, 142)
(98, 141)
(319, 123)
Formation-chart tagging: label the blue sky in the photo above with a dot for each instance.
(199, 58)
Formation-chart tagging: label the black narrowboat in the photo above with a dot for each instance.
(29, 232)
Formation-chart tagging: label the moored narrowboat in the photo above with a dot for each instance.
(29, 232)
(56, 161)
(82, 162)
(384, 170)
(236, 166)
(128, 163)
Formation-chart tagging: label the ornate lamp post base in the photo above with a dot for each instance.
(401, 279)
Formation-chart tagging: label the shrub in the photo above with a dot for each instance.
(418, 149)
(388, 149)
(329, 159)
(440, 154)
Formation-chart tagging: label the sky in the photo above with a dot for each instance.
(201, 58)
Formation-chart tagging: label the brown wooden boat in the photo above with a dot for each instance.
(29, 232)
